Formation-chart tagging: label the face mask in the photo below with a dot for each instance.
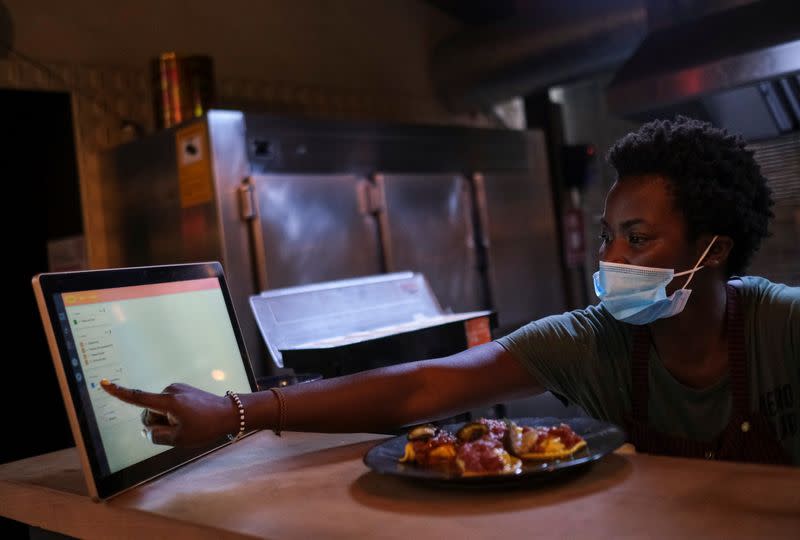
(637, 294)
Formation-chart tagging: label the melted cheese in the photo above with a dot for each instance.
(553, 445)
(447, 451)
(554, 449)
(511, 465)
(409, 454)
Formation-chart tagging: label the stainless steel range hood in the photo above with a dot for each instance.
(738, 68)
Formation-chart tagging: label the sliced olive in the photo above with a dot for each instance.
(408, 454)
(472, 431)
(420, 433)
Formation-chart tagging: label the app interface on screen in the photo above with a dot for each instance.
(147, 337)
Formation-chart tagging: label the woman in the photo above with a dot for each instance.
(708, 370)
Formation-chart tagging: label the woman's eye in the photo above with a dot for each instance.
(636, 240)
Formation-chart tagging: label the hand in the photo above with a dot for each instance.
(181, 415)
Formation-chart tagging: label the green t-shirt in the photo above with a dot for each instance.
(585, 355)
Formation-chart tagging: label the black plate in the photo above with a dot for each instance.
(601, 438)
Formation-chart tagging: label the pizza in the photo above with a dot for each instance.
(543, 443)
(488, 446)
(429, 446)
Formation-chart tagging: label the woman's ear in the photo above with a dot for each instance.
(718, 255)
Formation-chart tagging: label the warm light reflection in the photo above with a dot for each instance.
(217, 374)
(118, 312)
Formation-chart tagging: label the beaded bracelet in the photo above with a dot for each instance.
(240, 408)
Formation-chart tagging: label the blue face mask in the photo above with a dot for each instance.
(638, 295)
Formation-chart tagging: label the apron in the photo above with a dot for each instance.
(747, 437)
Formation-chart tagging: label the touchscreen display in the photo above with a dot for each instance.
(145, 337)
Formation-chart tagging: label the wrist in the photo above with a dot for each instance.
(280, 412)
(263, 410)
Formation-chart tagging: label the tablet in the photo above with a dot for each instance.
(141, 328)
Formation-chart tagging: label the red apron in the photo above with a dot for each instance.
(747, 437)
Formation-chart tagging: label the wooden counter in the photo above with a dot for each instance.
(310, 485)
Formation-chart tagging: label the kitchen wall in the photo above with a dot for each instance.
(352, 59)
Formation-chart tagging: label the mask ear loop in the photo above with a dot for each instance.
(697, 266)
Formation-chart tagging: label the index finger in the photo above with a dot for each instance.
(152, 401)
